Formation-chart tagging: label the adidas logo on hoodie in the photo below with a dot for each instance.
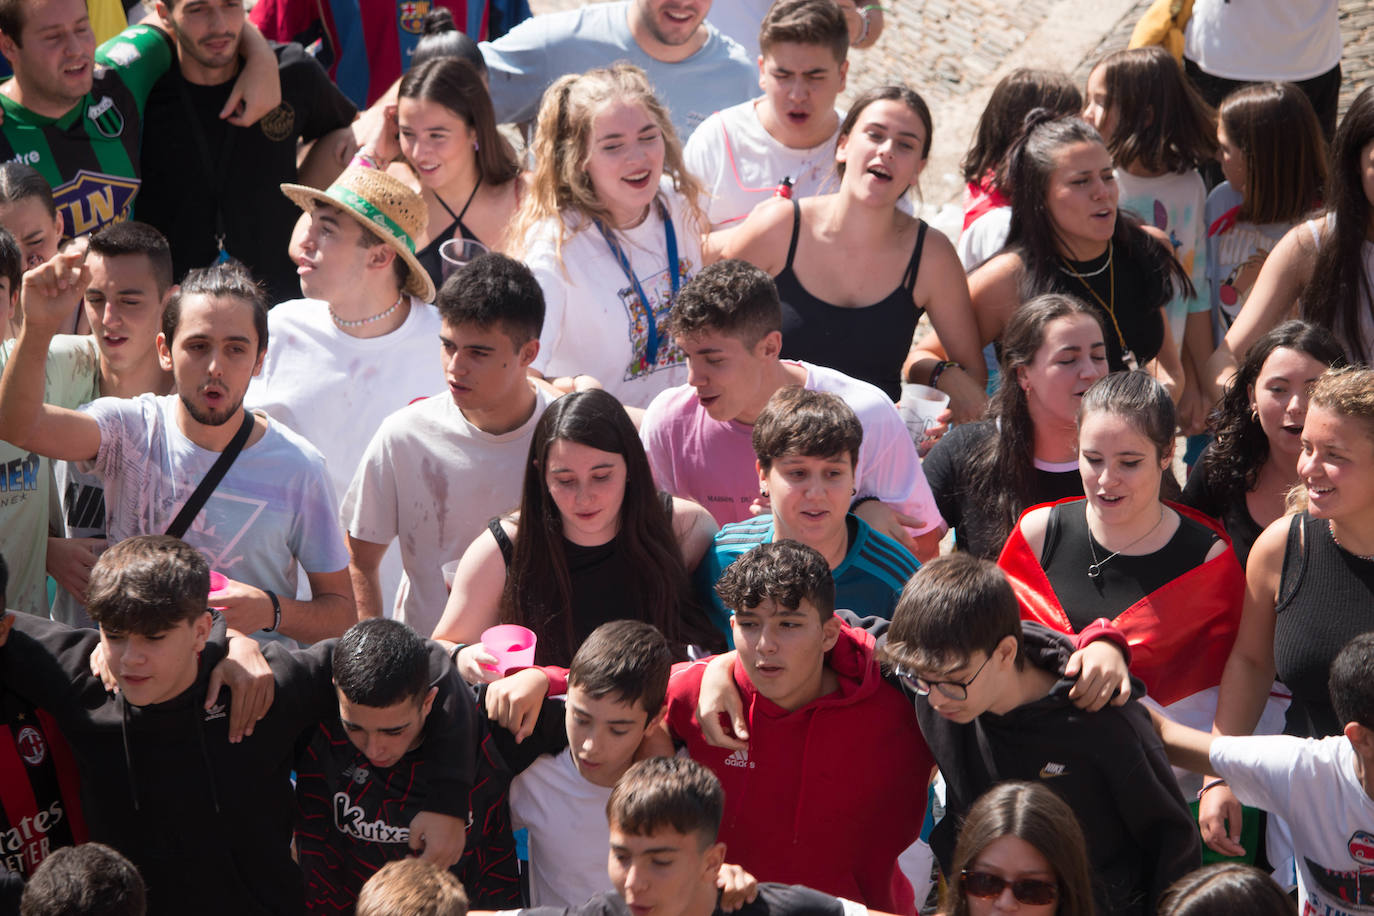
(739, 759)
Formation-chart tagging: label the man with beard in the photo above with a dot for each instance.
(212, 185)
(695, 69)
(273, 508)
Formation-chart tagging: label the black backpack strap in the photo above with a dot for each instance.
(188, 512)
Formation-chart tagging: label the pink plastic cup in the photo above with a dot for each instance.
(218, 581)
(512, 646)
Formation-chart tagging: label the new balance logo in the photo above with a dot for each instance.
(1051, 770)
(740, 759)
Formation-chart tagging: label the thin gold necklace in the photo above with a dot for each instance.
(1109, 307)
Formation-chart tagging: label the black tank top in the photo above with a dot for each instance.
(868, 343)
(599, 577)
(1140, 319)
(428, 256)
(1325, 599)
(1125, 579)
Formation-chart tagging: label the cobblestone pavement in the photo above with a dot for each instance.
(954, 51)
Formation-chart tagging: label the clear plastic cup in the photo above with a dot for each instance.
(456, 253)
(450, 569)
(511, 645)
(920, 407)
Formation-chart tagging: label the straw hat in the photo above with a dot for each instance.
(382, 204)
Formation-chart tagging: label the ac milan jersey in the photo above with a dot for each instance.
(90, 155)
(40, 807)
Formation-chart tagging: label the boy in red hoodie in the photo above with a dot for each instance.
(829, 745)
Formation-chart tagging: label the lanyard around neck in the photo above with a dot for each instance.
(670, 243)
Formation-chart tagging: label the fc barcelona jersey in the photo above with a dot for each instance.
(90, 155)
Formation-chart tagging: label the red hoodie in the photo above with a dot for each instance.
(800, 803)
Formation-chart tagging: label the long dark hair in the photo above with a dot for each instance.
(1278, 135)
(1031, 813)
(1166, 127)
(1033, 234)
(1003, 473)
(538, 591)
(1239, 446)
(456, 85)
(1016, 95)
(1340, 289)
(908, 97)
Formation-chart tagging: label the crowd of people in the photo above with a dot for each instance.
(264, 558)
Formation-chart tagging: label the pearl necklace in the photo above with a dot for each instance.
(1332, 528)
(345, 323)
(1095, 569)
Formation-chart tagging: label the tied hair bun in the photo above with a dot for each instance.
(1037, 116)
(439, 19)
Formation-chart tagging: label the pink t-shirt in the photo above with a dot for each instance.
(712, 461)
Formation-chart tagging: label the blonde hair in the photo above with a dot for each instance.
(412, 887)
(1348, 392)
(562, 148)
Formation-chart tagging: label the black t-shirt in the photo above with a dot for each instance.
(179, 190)
(1233, 514)
(972, 515)
(773, 900)
(1135, 294)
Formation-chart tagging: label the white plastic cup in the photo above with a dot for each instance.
(456, 253)
(450, 570)
(511, 645)
(920, 407)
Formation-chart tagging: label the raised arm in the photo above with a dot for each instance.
(50, 294)
(1280, 282)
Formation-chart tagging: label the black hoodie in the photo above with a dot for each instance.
(207, 823)
(1109, 766)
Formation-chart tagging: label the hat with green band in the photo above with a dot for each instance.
(385, 206)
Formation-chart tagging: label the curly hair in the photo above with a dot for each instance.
(1239, 446)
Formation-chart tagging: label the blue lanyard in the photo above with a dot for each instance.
(670, 242)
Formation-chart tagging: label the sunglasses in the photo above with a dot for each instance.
(1027, 890)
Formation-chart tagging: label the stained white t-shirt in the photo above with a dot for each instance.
(741, 164)
(1312, 785)
(593, 322)
(569, 836)
(274, 507)
(433, 480)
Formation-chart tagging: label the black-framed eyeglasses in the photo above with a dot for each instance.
(955, 690)
(1029, 891)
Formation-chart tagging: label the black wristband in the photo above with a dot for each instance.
(453, 653)
(860, 501)
(276, 612)
(939, 370)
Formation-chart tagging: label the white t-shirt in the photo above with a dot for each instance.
(335, 389)
(434, 480)
(712, 461)
(1261, 40)
(741, 164)
(593, 323)
(1228, 248)
(984, 237)
(1311, 784)
(273, 508)
(569, 837)
(1175, 203)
